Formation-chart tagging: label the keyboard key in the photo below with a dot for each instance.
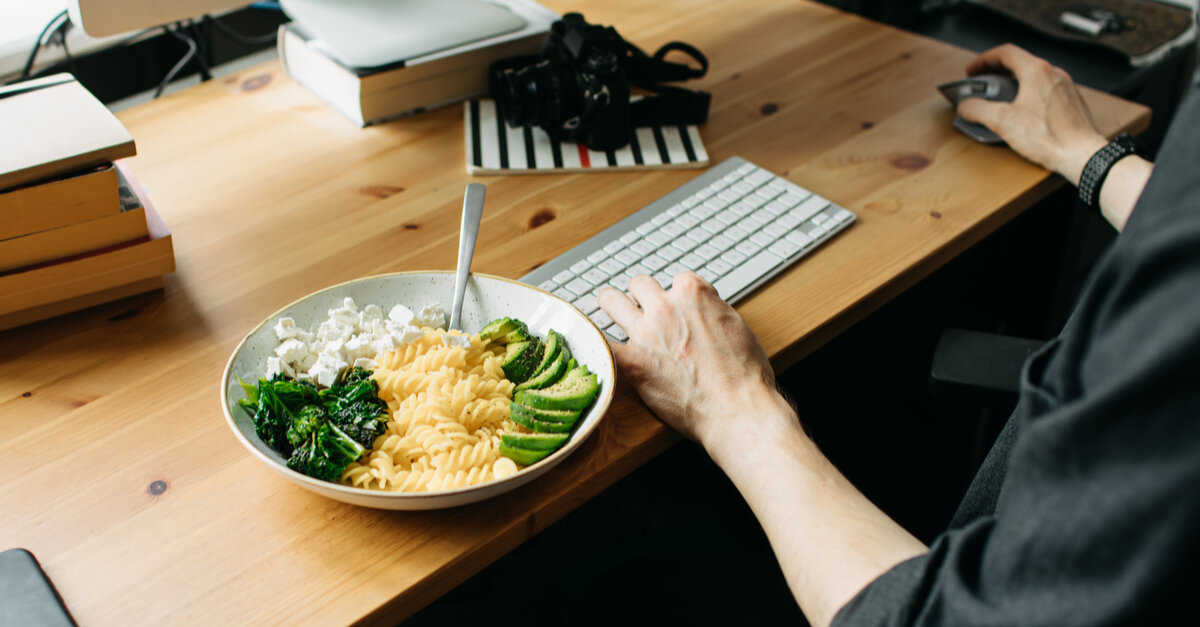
(692, 261)
(730, 195)
(611, 266)
(600, 318)
(742, 208)
(675, 210)
(596, 276)
(762, 239)
(742, 187)
(662, 218)
(719, 185)
(748, 247)
(747, 169)
(687, 221)
(637, 269)
(613, 248)
(784, 248)
(645, 228)
(663, 279)
(587, 304)
(581, 266)
(564, 276)
(627, 257)
(820, 218)
(658, 238)
(727, 217)
(716, 203)
(767, 192)
(708, 275)
(565, 294)
(703, 194)
(621, 282)
(747, 273)
(721, 242)
(670, 252)
(689, 202)
(843, 215)
(776, 231)
(549, 286)
(764, 216)
(791, 199)
(672, 230)
(736, 233)
(579, 286)
(799, 238)
(597, 256)
(719, 266)
(674, 269)
(810, 207)
(617, 333)
(755, 201)
(733, 257)
(699, 235)
(713, 226)
(759, 177)
(788, 221)
(654, 262)
(776, 208)
(708, 252)
(685, 243)
(700, 212)
(630, 237)
(643, 247)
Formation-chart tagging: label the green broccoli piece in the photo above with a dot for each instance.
(326, 453)
(304, 423)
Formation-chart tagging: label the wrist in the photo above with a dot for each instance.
(762, 415)
(1074, 156)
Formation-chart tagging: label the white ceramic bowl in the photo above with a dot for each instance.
(487, 298)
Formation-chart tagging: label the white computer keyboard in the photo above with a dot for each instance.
(737, 225)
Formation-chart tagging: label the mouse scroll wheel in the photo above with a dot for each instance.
(978, 88)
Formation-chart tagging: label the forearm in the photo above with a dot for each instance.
(829, 539)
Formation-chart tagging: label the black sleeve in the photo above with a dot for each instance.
(1097, 521)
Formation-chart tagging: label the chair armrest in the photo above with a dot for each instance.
(981, 368)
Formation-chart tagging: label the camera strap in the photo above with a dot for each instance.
(671, 104)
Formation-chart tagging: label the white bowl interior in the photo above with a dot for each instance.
(487, 298)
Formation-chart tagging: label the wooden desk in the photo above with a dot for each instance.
(116, 467)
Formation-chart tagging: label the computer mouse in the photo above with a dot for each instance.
(996, 87)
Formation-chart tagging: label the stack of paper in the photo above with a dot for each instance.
(75, 229)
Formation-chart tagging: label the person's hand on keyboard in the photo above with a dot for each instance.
(691, 356)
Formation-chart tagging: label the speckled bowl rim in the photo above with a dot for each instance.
(601, 406)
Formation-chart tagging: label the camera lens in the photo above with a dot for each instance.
(531, 95)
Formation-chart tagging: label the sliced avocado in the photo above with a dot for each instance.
(573, 392)
(521, 359)
(554, 345)
(548, 376)
(557, 416)
(526, 419)
(505, 331)
(535, 441)
(522, 456)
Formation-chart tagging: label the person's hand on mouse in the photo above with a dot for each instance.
(692, 358)
(1048, 122)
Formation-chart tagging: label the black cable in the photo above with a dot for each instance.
(201, 55)
(245, 40)
(192, 47)
(54, 24)
(60, 37)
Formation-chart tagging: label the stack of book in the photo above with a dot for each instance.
(75, 229)
(370, 95)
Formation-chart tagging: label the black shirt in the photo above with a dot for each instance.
(1087, 510)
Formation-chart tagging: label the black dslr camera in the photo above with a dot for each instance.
(578, 88)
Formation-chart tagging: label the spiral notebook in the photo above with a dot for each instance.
(495, 148)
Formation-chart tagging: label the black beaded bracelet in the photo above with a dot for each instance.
(1098, 166)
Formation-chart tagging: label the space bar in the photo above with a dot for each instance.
(746, 274)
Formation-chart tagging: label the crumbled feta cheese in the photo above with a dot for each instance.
(286, 329)
(335, 349)
(401, 315)
(277, 366)
(359, 346)
(406, 334)
(369, 315)
(383, 344)
(432, 315)
(335, 329)
(292, 350)
(462, 341)
(366, 363)
(326, 370)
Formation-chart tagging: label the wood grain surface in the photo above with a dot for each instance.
(116, 466)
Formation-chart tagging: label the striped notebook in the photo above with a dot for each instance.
(494, 148)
